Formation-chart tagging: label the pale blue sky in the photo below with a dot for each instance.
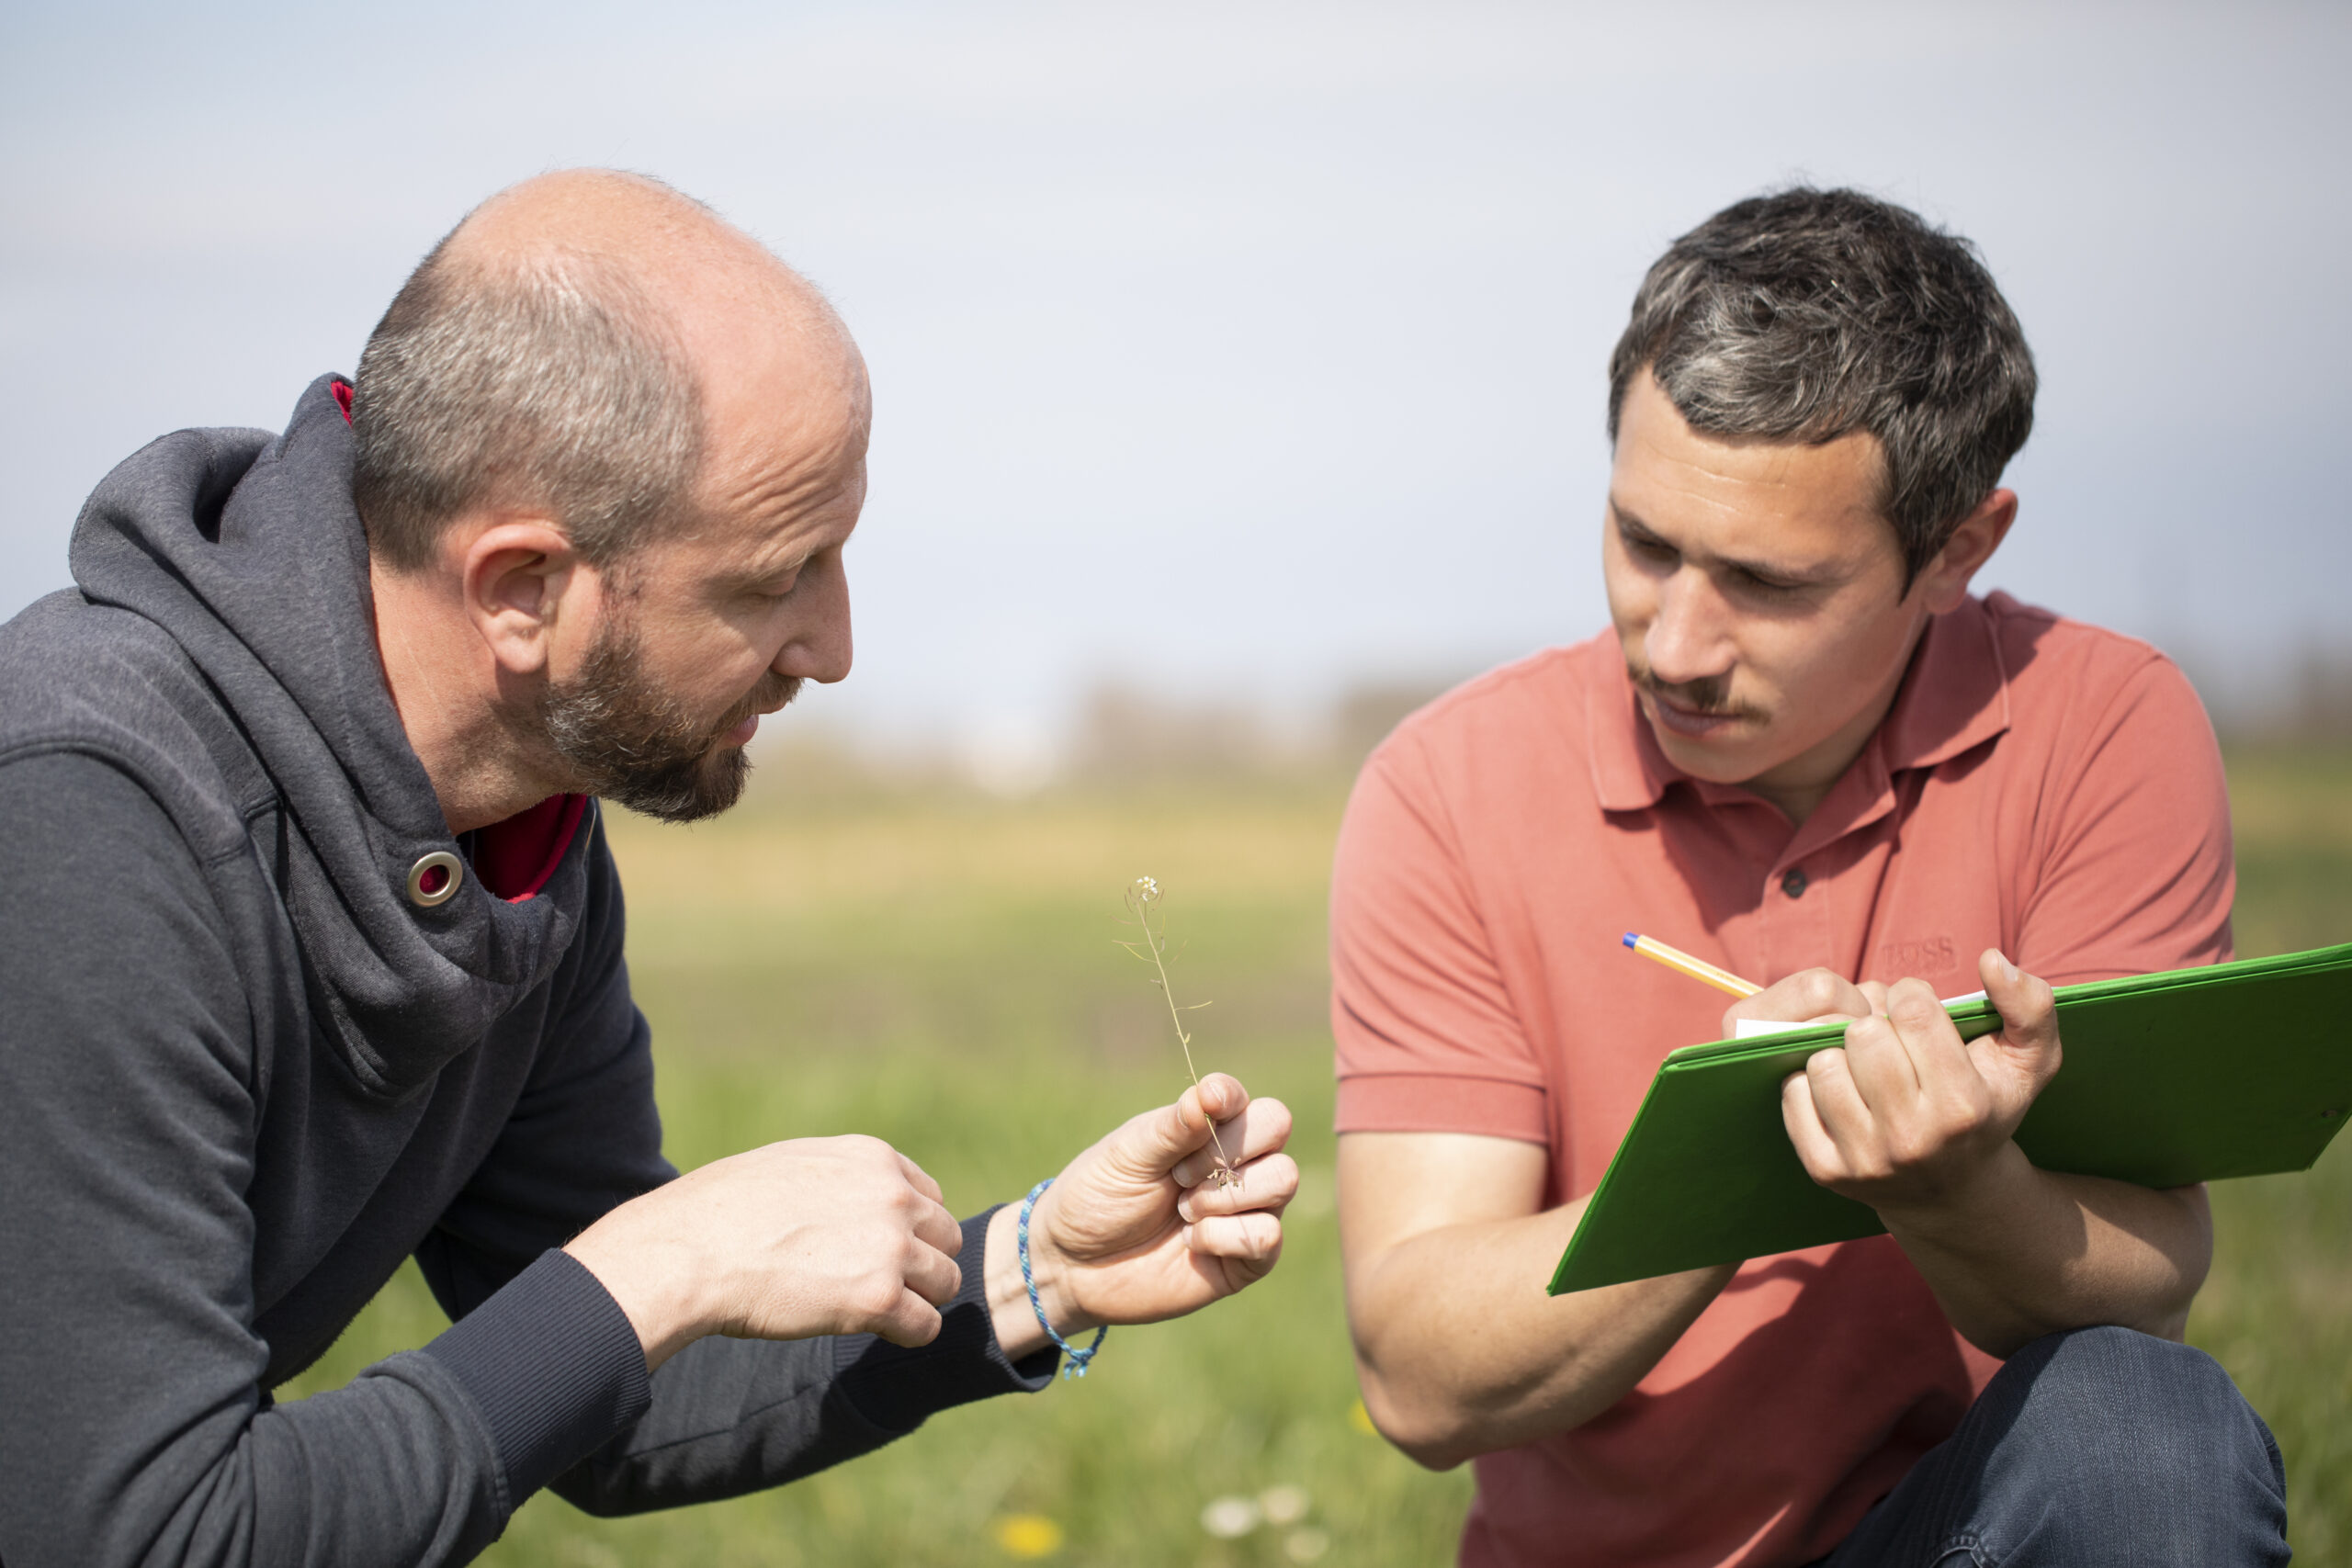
(1239, 347)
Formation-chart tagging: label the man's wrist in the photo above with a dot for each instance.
(648, 1290)
(1018, 1332)
(1982, 1213)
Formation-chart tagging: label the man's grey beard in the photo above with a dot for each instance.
(626, 740)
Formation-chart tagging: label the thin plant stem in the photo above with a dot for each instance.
(1142, 894)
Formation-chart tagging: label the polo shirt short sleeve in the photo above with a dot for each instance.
(2040, 785)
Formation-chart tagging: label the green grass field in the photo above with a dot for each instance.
(938, 970)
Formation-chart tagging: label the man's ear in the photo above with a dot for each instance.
(520, 576)
(1943, 581)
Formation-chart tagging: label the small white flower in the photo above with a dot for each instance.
(1147, 888)
(1306, 1545)
(1231, 1518)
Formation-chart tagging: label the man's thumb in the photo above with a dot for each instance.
(1182, 1128)
(2028, 1013)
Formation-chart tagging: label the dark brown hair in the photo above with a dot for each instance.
(1807, 314)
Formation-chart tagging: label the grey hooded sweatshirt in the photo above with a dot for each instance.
(242, 1075)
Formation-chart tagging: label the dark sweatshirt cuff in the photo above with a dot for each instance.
(554, 1367)
(896, 1387)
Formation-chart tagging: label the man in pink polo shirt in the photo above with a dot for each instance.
(1811, 755)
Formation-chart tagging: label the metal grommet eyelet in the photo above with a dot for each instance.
(433, 879)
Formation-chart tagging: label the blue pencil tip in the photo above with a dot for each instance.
(1630, 939)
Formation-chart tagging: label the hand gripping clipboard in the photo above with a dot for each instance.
(2192, 1075)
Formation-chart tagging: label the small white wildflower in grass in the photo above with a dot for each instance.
(1231, 1518)
(1306, 1545)
(1283, 1505)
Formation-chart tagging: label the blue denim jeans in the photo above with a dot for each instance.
(2097, 1448)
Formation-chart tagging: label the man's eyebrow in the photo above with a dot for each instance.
(1764, 571)
(789, 560)
(1627, 523)
(1784, 575)
(784, 563)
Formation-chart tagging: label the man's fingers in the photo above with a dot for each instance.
(1882, 1069)
(938, 1227)
(1843, 1113)
(1243, 1272)
(2028, 1013)
(1806, 995)
(1256, 1237)
(1268, 1183)
(1161, 1138)
(1912, 1005)
(1949, 1081)
(1177, 1139)
(2025, 1055)
(1257, 1131)
(934, 1275)
(1221, 1097)
(920, 1180)
(913, 1321)
(1815, 1150)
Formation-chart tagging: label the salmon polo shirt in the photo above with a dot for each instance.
(2039, 786)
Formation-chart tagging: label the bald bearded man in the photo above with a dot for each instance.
(314, 959)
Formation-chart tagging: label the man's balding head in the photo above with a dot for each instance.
(572, 346)
(708, 276)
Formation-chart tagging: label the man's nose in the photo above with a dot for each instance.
(821, 646)
(1688, 640)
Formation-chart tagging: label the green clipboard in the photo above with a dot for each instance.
(2193, 1075)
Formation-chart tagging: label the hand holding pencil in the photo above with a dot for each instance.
(1810, 996)
(1834, 994)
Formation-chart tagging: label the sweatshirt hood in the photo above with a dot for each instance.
(247, 551)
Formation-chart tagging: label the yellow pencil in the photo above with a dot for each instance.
(1697, 968)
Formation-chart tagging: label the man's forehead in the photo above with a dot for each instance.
(786, 416)
(1743, 495)
(771, 519)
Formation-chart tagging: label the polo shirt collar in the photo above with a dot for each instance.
(1955, 697)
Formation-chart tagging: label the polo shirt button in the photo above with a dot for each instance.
(1793, 884)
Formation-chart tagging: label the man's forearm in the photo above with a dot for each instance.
(1461, 1352)
(2034, 1252)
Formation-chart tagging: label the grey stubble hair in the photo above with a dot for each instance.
(551, 381)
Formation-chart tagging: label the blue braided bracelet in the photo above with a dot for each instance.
(1077, 1358)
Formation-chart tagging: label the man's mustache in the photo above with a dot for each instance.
(772, 695)
(1710, 695)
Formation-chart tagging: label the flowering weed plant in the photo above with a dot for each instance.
(1151, 946)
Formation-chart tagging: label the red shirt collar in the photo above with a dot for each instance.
(514, 858)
